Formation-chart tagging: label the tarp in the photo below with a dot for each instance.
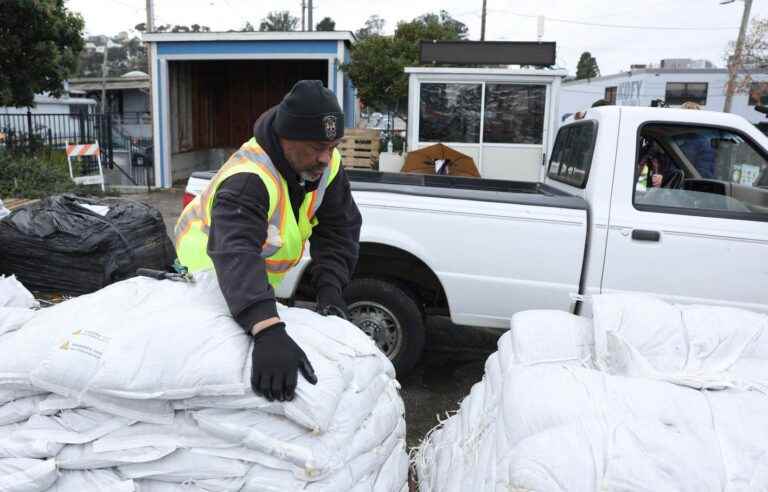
(425, 161)
(75, 245)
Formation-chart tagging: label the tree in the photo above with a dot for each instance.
(39, 45)
(440, 26)
(587, 67)
(754, 54)
(248, 27)
(377, 61)
(374, 26)
(327, 24)
(281, 20)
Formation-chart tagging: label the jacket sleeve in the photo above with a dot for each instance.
(238, 229)
(334, 243)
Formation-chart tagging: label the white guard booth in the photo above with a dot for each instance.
(505, 119)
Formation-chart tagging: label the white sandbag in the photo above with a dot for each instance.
(548, 336)
(700, 346)
(158, 486)
(9, 393)
(20, 410)
(83, 457)
(637, 456)
(394, 472)
(26, 475)
(13, 318)
(151, 411)
(217, 485)
(71, 426)
(182, 433)
(14, 294)
(13, 446)
(92, 481)
(315, 456)
(184, 466)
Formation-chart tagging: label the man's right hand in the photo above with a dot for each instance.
(277, 359)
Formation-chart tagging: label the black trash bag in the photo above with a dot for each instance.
(57, 245)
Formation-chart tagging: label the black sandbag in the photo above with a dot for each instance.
(56, 245)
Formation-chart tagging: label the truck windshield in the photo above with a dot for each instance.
(572, 153)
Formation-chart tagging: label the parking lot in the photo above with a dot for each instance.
(452, 362)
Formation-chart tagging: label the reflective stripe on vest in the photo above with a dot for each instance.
(286, 234)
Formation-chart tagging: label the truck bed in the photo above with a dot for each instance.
(489, 190)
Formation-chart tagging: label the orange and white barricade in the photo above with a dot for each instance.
(86, 150)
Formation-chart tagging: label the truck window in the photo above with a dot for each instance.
(700, 170)
(572, 153)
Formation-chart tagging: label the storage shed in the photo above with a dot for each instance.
(209, 88)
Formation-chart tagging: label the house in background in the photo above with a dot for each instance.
(673, 81)
(127, 101)
(209, 88)
(51, 118)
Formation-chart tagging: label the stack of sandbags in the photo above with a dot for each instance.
(647, 397)
(76, 245)
(145, 385)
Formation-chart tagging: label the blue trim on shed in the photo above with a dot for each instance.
(245, 47)
(160, 121)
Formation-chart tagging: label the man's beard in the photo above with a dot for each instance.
(312, 174)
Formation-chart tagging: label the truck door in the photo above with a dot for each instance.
(689, 214)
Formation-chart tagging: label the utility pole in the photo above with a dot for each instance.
(482, 24)
(310, 25)
(150, 26)
(104, 71)
(736, 62)
(303, 11)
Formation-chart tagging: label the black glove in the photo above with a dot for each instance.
(276, 362)
(331, 303)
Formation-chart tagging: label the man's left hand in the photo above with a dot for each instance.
(331, 303)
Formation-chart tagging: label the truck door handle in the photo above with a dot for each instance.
(644, 235)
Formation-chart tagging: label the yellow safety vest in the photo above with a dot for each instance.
(286, 236)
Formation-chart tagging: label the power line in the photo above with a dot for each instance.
(620, 26)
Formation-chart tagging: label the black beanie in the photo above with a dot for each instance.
(309, 112)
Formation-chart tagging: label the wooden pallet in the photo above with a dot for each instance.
(360, 148)
(14, 203)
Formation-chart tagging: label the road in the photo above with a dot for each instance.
(452, 362)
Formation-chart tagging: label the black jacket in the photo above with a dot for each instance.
(239, 228)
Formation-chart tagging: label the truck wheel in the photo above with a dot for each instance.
(390, 316)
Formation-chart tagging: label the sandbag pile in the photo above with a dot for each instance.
(144, 385)
(647, 396)
(76, 245)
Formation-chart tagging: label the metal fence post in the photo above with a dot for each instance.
(29, 128)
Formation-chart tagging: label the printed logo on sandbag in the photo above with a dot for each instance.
(79, 347)
(92, 334)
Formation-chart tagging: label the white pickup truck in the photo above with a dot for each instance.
(669, 202)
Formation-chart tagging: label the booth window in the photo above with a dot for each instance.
(450, 113)
(680, 92)
(610, 94)
(514, 113)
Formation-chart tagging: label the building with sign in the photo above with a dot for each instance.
(673, 83)
(209, 88)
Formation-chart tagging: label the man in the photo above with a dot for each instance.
(251, 223)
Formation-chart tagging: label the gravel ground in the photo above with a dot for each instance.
(453, 359)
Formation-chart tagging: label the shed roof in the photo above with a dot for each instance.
(160, 37)
(112, 83)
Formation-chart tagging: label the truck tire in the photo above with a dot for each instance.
(391, 317)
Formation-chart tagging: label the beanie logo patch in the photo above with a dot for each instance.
(329, 125)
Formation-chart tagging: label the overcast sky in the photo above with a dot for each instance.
(702, 27)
